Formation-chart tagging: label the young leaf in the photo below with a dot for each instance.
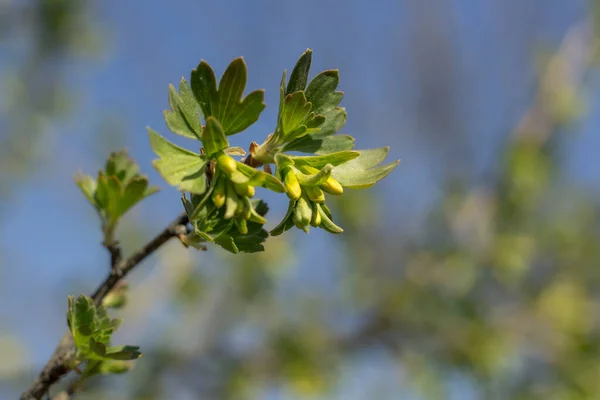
(178, 166)
(123, 353)
(321, 92)
(363, 171)
(320, 145)
(319, 162)
(299, 76)
(183, 118)
(213, 137)
(121, 166)
(225, 103)
(88, 186)
(295, 111)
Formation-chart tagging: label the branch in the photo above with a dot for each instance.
(58, 365)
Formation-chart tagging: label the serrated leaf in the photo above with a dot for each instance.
(362, 172)
(183, 118)
(98, 348)
(121, 166)
(335, 119)
(225, 103)
(299, 75)
(178, 166)
(335, 159)
(135, 191)
(222, 232)
(295, 111)
(123, 353)
(321, 91)
(325, 145)
(213, 137)
(80, 317)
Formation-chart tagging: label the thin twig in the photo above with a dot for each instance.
(58, 365)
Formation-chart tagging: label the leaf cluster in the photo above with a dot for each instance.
(117, 189)
(218, 189)
(92, 329)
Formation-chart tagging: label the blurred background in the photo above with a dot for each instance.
(471, 272)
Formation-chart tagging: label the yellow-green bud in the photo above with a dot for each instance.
(241, 188)
(251, 191)
(302, 214)
(292, 186)
(332, 186)
(218, 194)
(226, 164)
(316, 216)
(231, 203)
(315, 194)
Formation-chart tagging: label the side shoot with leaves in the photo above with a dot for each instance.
(218, 189)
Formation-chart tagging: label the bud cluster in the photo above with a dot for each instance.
(233, 190)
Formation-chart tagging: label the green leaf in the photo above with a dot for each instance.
(286, 223)
(98, 348)
(335, 119)
(321, 92)
(318, 145)
(362, 172)
(178, 166)
(123, 353)
(319, 162)
(121, 166)
(88, 186)
(213, 137)
(295, 111)
(299, 76)
(183, 118)
(216, 229)
(81, 316)
(225, 103)
(136, 190)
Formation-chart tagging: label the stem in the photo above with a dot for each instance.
(58, 364)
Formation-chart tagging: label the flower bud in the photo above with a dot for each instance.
(226, 163)
(316, 216)
(231, 202)
(241, 188)
(332, 186)
(302, 214)
(292, 186)
(315, 194)
(218, 194)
